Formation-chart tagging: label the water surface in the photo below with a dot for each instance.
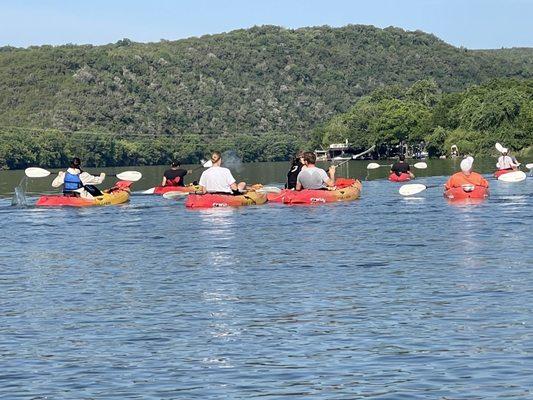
(382, 298)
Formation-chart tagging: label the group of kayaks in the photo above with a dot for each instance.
(345, 190)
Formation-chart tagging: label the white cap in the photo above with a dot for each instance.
(504, 150)
(466, 164)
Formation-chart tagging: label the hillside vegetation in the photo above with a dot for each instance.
(500, 110)
(262, 90)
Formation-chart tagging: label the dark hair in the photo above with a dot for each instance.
(310, 157)
(296, 159)
(75, 163)
(175, 164)
(401, 157)
(215, 156)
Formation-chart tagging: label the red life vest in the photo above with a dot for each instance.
(173, 182)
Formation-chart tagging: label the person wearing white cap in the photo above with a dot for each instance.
(506, 162)
(466, 176)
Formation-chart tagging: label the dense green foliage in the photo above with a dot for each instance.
(20, 148)
(260, 90)
(500, 110)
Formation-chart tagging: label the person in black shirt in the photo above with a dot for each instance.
(296, 166)
(175, 175)
(401, 167)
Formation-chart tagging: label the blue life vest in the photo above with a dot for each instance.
(71, 182)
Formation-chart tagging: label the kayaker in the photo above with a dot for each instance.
(466, 176)
(401, 167)
(506, 162)
(175, 175)
(218, 179)
(78, 183)
(312, 177)
(296, 167)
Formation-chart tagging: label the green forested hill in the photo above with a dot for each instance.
(255, 82)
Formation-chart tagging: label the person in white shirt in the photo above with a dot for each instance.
(77, 182)
(506, 162)
(312, 177)
(218, 179)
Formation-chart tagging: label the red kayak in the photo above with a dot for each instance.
(167, 189)
(346, 190)
(403, 177)
(340, 183)
(501, 172)
(467, 192)
(278, 197)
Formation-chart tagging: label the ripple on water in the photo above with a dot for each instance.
(385, 297)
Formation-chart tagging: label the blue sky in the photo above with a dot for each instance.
(469, 23)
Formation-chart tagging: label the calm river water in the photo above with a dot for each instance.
(382, 298)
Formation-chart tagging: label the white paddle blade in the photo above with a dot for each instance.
(499, 147)
(529, 166)
(411, 189)
(174, 195)
(130, 176)
(207, 164)
(269, 189)
(511, 177)
(149, 191)
(420, 165)
(35, 172)
(373, 165)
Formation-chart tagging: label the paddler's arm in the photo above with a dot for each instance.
(448, 184)
(331, 173)
(88, 179)
(59, 179)
(164, 181)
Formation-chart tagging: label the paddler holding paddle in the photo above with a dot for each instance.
(175, 175)
(312, 177)
(506, 162)
(401, 167)
(466, 177)
(78, 183)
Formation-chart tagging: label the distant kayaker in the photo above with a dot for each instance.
(401, 167)
(175, 175)
(506, 162)
(77, 182)
(312, 177)
(296, 167)
(466, 176)
(218, 179)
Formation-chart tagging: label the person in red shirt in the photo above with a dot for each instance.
(466, 176)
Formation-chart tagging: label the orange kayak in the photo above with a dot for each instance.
(467, 192)
(211, 200)
(118, 194)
